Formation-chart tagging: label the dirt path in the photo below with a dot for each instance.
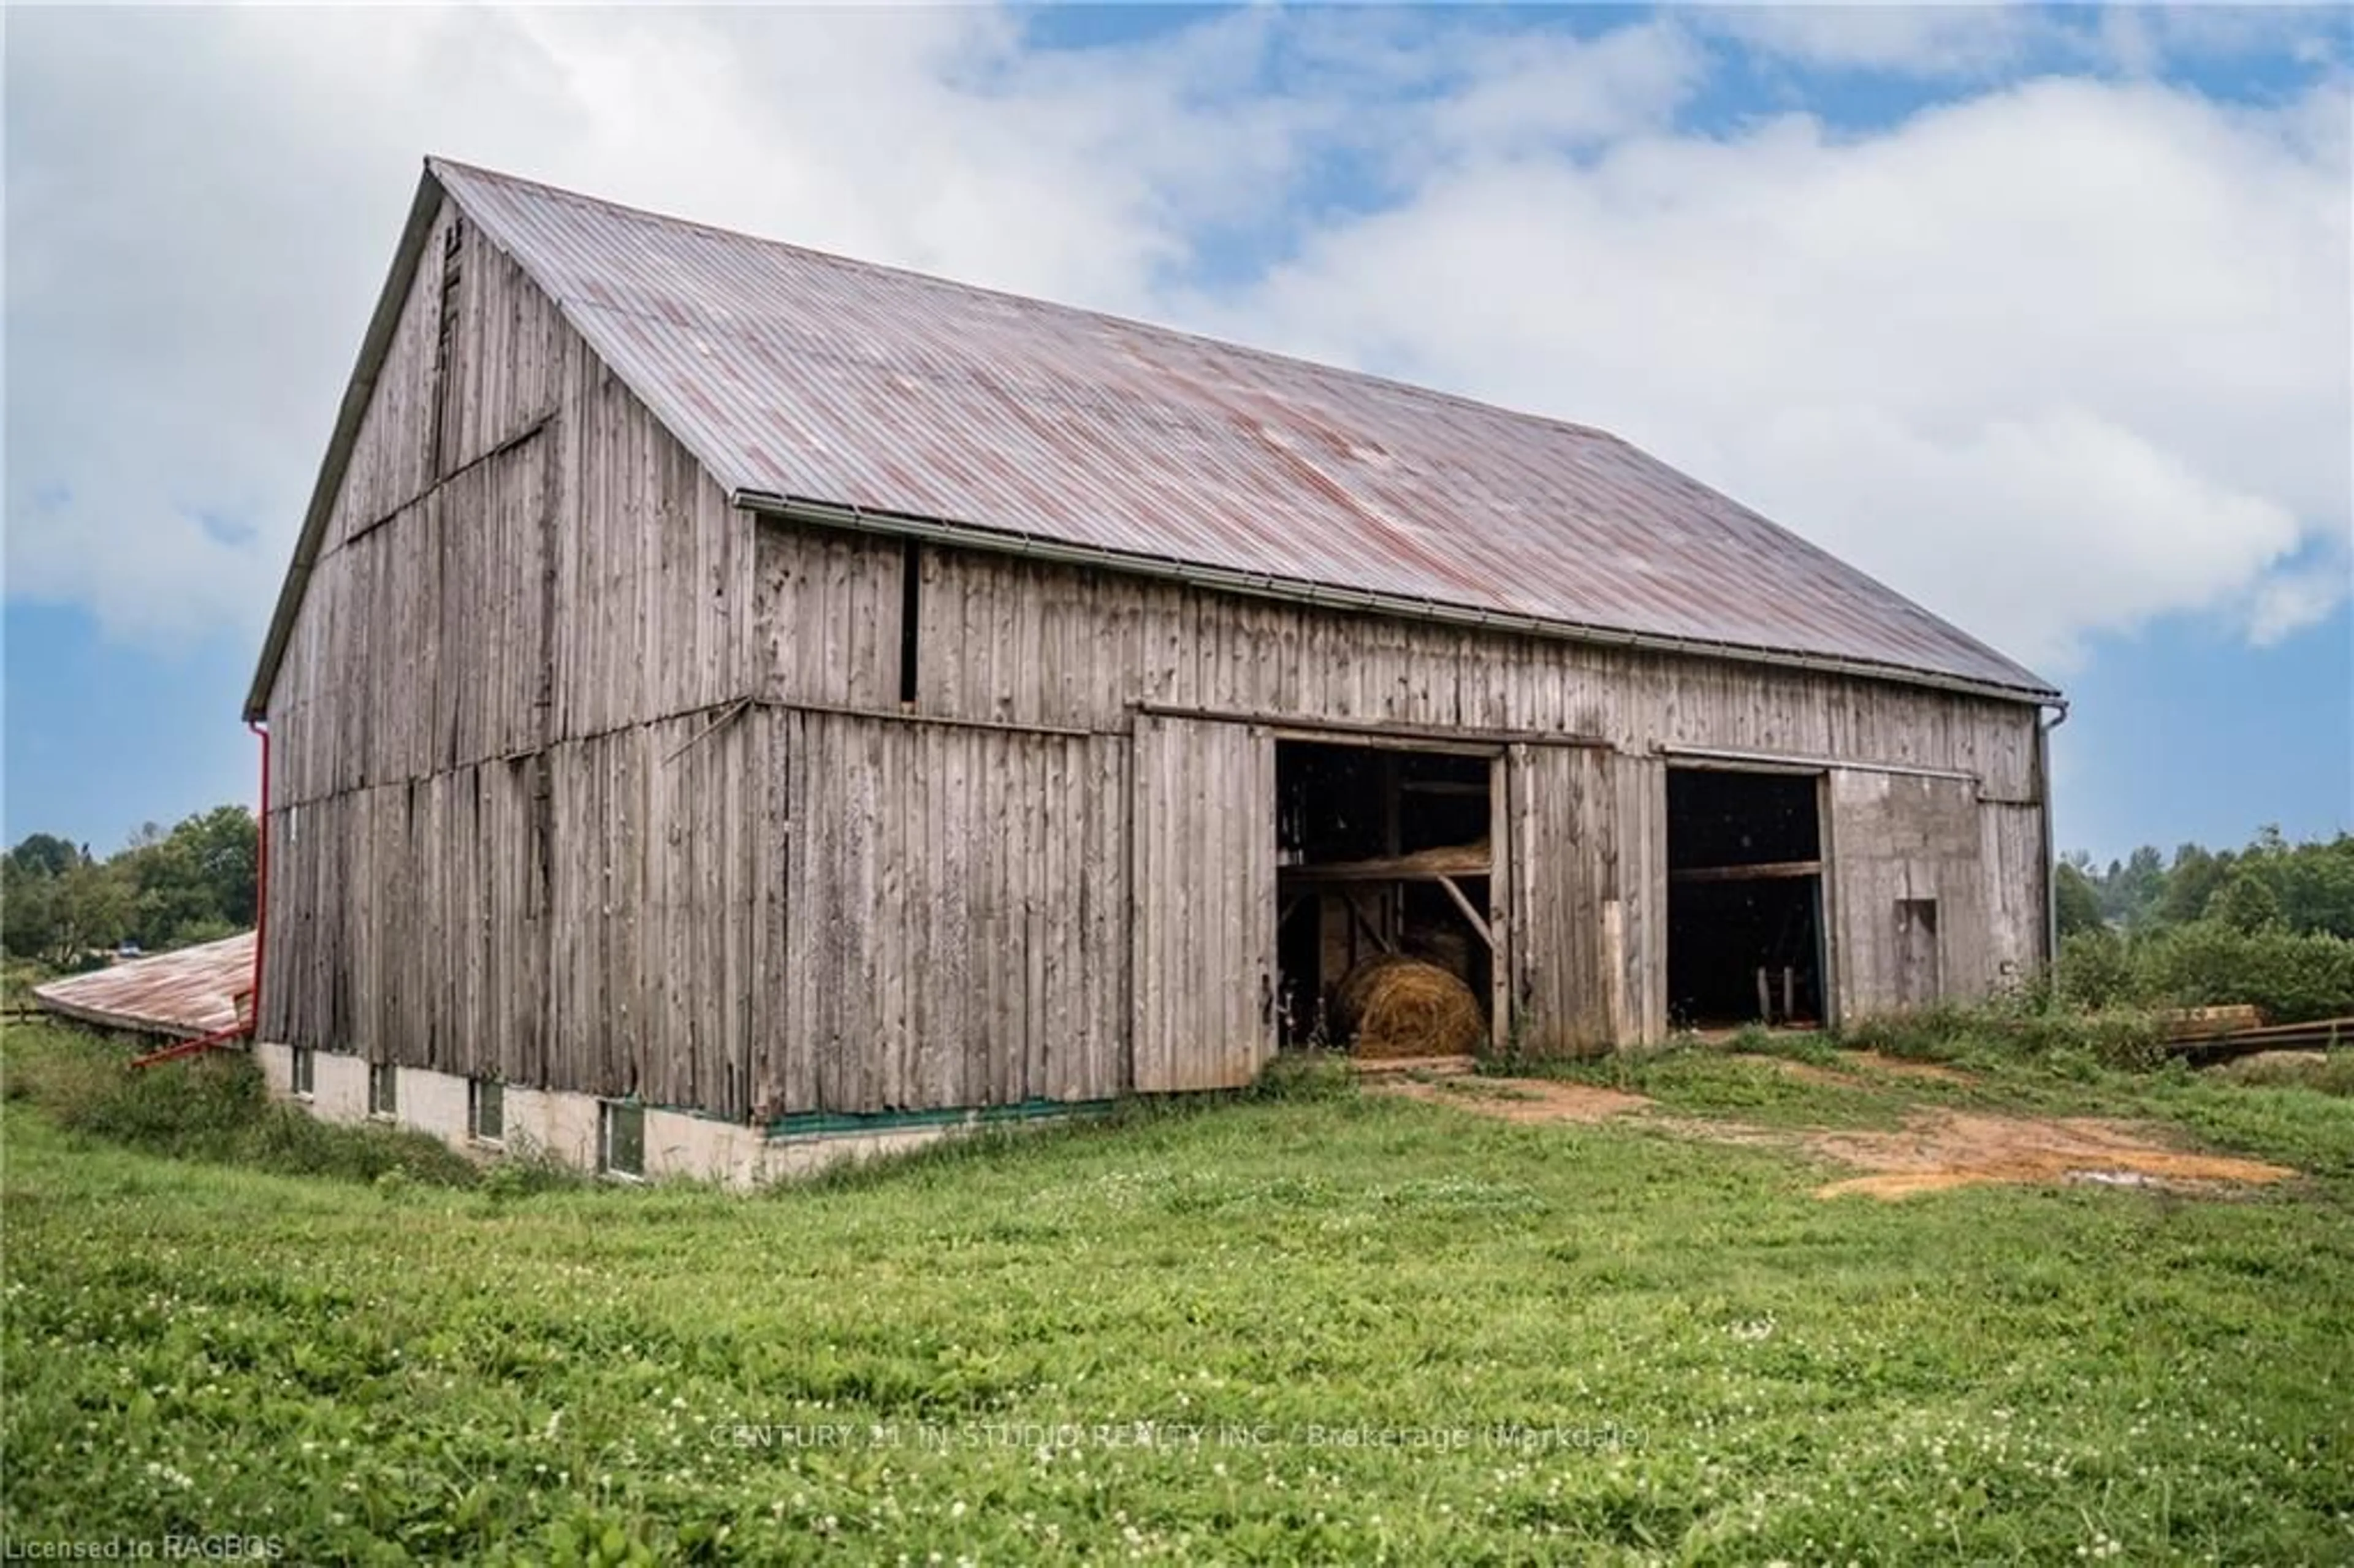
(1944, 1149)
(1518, 1099)
(1868, 1062)
(1934, 1151)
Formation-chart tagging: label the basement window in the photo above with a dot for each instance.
(621, 1139)
(1745, 899)
(486, 1110)
(304, 1073)
(1380, 850)
(384, 1090)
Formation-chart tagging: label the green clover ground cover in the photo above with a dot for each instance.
(1350, 1328)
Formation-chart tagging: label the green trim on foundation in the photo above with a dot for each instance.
(805, 1124)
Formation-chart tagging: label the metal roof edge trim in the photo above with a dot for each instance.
(1226, 580)
(358, 393)
(126, 1022)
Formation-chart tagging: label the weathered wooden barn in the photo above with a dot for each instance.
(772, 694)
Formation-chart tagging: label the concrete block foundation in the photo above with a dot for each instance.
(567, 1126)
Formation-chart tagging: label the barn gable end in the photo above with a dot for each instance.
(522, 595)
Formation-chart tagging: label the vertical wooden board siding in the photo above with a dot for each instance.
(770, 1045)
(389, 470)
(512, 352)
(652, 592)
(509, 958)
(562, 584)
(390, 455)
(477, 863)
(983, 891)
(825, 619)
(1162, 643)
(961, 953)
(789, 1031)
(2017, 880)
(1587, 888)
(1641, 889)
(1896, 837)
(1103, 1062)
(492, 630)
(1561, 1002)
(1149, 876)
(701, 910)
(931, 959)
(655, 913)
(1503, 967)
(1203, 899)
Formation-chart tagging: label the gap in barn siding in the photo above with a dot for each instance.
(448, 378)
(911, 596)
(1744, 897)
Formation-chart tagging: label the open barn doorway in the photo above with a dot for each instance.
(1385, 864)
(1744, 897)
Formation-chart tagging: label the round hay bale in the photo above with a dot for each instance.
(1394, 1006)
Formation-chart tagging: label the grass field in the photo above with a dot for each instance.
(1346, 1328)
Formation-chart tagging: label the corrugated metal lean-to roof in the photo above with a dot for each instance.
(187, 994)
(799, 376)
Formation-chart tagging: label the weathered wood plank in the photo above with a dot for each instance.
(1204, 901)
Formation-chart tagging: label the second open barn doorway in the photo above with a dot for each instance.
(1745, 899)
(1385, 866)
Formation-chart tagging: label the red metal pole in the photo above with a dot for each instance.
(180, 1048)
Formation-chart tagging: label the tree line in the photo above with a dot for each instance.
(2270, 925)
(63, 907)
(2302, 888)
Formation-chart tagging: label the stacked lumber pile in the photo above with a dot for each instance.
(2205, 1035)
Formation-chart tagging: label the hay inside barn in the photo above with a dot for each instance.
(1394, 1006)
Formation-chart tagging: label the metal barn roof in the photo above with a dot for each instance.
(188, 992)
(803, 377)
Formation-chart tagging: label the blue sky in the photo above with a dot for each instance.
(2039, 316)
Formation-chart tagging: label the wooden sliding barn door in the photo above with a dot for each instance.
(1908, 921)
(1203, 984)
(1588, 890)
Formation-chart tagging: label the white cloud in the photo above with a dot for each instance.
(2053, 358)
(1910, 40)
(1521, 97)
(1986, 38)
(202, 205)
(2300, 596)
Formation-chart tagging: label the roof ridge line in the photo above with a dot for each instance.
(1031, 301)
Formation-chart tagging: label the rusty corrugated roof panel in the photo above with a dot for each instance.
(188, 992)
(797, 375)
